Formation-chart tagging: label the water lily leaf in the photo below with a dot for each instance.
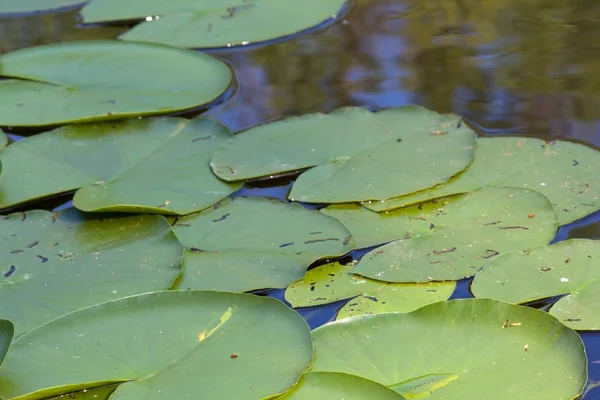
(453, 240)
(7, 331)
(570, 269)
(172, 345)
(58, 263)
(334, 385)
(104, 80)
(461, 349)
(381, 148)
(253, 243)
(118, 165)
(210, 24)
(28, 6)
(565, 172)
(101, 393)
(333, 282)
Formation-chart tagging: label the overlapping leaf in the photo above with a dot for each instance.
(570, 269)
(332, 282)
(173, 345)
(104, 80)
(210, 24)
(565, 172)
(462, 349)
(253, 243)
(150, 165)
(452, 238)
(58, 263)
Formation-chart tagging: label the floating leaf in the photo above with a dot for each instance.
(565, 172)
(459, 349)
(104, 80)
(570, 269)
(333, 282)
(101, 393)
(455, 238)
(30, 6)
(153, 345)
(253, 243)
(58, 263)
(7, 331)
(210, 24)
(352, 146)
(150, 165)
(334, 385)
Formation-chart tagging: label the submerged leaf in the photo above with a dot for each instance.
(459, 349)
(58, 263)
(149, 344)
(210, 24)
(565, 172)
(335, 385)
(333, 282)
(155, 165)
(452, 238)
(253, 243)
(570, 269)
(104, 80)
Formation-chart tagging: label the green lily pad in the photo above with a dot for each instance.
(7, 331)
(104, 80)
(570, 269)
(349, 147)
(171, 345)
(565, 172)
(29, 6)
(333, 282)
(101, 393)
(454, 239)
(334, 385)
(459, 349)
(254, 243)
(58, 263)
(150, 165)
(210, 24)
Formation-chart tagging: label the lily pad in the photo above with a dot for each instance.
(7, 331)
(570, 269)
(58, 263)
(172, 345)
(104, 80)
(33, 6)
(461, 349)
(150, 165)
(210, 24)
(253, 243)
(333, 282)
(334, 385)
(454, 239)
(398, 150)
(565, 172)
(101, 393)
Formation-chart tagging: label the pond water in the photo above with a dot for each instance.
(527, 67)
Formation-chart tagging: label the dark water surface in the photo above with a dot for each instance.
(521, 66)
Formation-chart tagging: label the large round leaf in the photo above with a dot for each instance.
(333, 282)
(334, 385)
(463, 349)
(164, 345)
(100, 80)
(7, 331)
(149, 165)
(27, 6)
(454, 239)
(57, 263)
(565, 172)
(570, 269)
(207, 23)
(390, 152)
(253, 243)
